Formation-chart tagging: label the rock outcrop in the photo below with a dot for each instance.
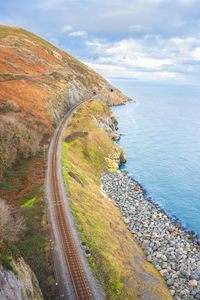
(109, 125)
(20, 286)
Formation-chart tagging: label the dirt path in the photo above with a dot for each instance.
(13, 76)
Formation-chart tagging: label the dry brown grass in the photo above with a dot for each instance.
(116, 260)
(20, 138)
(12, 224)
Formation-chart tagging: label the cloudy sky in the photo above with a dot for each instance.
(141, 39)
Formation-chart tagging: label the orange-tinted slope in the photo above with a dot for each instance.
(38, 84)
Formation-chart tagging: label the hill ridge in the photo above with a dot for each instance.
(39, 84)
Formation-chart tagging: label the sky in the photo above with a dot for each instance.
(142, 39)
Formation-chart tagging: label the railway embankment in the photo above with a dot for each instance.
(116, 260)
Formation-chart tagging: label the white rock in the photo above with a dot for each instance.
(172, 292)
(193, 283)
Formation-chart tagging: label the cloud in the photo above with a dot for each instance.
(113, 19)
(157, 59)
(67, 28)
(157, 37)
(117, 71)
(78, 33)
(195, 54)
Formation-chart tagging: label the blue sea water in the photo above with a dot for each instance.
(161, 138)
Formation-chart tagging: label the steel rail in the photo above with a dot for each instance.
(79, 282)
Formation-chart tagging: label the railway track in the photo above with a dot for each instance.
(76, 276)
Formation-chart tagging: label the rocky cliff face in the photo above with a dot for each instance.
(39, 83)
(23, 286)
(109, 124)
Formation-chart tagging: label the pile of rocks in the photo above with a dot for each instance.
(173, 251)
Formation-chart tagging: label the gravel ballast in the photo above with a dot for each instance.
(174, 252)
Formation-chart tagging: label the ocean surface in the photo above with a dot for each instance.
(161, 137)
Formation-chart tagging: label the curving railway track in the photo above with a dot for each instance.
(76, 278)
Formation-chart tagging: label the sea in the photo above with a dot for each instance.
(160, 133)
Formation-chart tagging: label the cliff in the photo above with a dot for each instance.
(17, 280)
(22, 285)
(38, 84)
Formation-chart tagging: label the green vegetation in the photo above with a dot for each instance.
(72, 137)
(6, 262)
(22, 187)
(67, 145)
(8, 252)
(5, 74)
(29, 202)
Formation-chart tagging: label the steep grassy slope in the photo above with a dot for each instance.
(22, 190)
(38, 84)
(117, 261)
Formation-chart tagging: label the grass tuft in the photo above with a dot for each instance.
(29, 202)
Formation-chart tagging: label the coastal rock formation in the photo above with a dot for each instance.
(109, 124)
(22, 285)
(39, 83)
(122, 155)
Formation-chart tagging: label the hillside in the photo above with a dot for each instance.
(38, 84)
(117, 261)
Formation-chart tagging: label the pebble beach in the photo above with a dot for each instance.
(174, 251)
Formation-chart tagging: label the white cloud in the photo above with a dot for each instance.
(196, 54)
(78, 33)
(67, 28)
(157, 59)
(129, 53)
(117, 71)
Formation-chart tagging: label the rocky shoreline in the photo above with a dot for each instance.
(174, 252)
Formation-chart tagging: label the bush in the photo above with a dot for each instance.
(19, 139)
(12, 224)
